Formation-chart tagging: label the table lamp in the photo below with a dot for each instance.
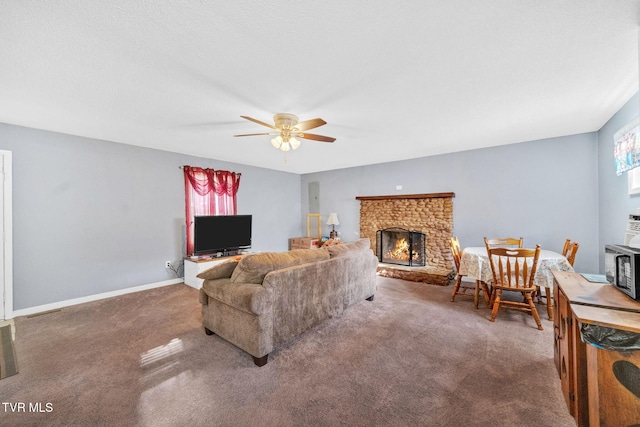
(333, 221)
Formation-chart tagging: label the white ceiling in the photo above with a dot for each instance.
(394, 80)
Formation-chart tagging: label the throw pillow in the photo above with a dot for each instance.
(346, 248)
(254, 267)
(220, 271)
(332, 242)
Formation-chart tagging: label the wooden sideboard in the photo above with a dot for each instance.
(601, 386)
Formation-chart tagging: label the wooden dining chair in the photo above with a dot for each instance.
(461, 286)
(504, 242)
(514, 270)
(565, 248)
(569, 251)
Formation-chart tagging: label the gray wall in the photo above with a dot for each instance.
(92, 216)
(615, 203)
(544, 191)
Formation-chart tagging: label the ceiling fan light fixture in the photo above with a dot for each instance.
(286, 126)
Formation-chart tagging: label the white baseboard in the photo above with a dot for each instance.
(67, 303)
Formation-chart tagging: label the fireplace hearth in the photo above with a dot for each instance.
(400, 246)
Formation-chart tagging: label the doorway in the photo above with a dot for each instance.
(6, 232)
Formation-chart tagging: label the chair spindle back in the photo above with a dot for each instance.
(571, 252)
(514, 267)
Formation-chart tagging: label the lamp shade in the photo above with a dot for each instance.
(333, 219)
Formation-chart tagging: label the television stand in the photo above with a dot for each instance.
(195, 266)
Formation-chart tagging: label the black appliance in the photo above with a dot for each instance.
(622, 268)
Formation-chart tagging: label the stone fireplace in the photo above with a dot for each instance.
(429, 214)
(400, 246)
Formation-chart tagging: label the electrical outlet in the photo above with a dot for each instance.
(167, 264)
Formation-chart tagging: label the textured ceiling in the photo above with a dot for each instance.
(394, 80)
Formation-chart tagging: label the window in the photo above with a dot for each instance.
(626, 147)
(208, 192)
(634, 181)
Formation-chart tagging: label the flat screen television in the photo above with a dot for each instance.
(221, 233)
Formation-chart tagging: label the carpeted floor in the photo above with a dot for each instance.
(409, 358)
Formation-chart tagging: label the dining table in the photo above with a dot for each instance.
(474, 263)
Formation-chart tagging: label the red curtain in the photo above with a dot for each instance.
(208, 192)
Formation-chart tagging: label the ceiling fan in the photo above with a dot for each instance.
(287, 128)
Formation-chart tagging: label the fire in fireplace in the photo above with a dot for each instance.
(399, 246)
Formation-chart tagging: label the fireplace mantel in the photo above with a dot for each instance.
(408, 196)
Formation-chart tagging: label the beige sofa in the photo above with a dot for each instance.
(262, 300)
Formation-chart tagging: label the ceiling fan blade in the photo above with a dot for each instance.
(310, 124)
(315, 137)
(257, 134)
(258, 122)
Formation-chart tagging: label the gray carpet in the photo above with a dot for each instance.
(409, 358)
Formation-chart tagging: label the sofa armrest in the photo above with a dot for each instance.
(220, 271)
(248, 297)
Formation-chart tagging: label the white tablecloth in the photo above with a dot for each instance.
(475, 264)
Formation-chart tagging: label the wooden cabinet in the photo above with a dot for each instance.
(570, 358)
(600, 385)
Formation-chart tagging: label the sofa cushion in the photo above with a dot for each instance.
(347, 248)
(221, 270)
(249, 297)
(253, 268)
